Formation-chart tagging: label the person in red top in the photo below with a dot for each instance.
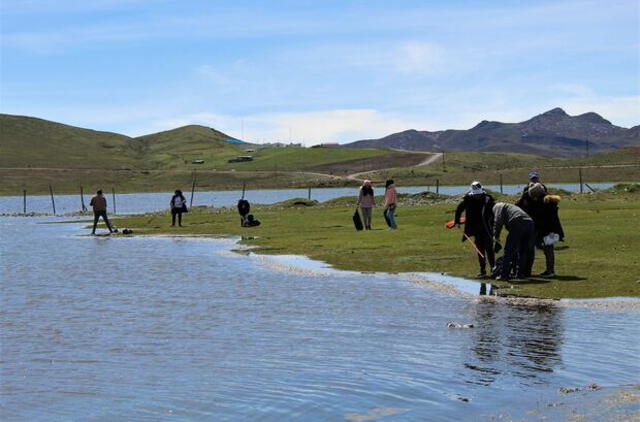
(390, 198)
(99, 204)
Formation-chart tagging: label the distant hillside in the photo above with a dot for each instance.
(173, 147)
(553, 133)
(32, 142)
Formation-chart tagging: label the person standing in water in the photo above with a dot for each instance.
(366, 202)
(178, 206)
(390, 198)
(99, 204)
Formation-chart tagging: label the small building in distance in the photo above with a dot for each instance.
(241, 159)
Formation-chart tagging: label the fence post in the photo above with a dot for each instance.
(24, 201)
(437, 185)
(193, 188)
(580, 176)
(113, 194)
(501, 183)
(83, 207)
(53, 201)
(309, 194)
(244, 188)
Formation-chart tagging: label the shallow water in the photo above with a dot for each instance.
(137, 203)
(183, 329)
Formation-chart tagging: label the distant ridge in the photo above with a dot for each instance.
(552, 133)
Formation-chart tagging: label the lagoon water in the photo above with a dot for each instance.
(182, 329)
(136, 203)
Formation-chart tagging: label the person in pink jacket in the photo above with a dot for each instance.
(390, 198)
(366, 201)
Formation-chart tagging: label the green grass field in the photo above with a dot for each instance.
(598, 258)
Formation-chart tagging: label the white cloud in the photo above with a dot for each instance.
(420, 57)
(309, 128)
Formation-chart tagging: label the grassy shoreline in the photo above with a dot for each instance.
(597, 260)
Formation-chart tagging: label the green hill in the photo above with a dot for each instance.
(32, 142)
(176, 147)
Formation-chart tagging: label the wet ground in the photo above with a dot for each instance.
(104, 328)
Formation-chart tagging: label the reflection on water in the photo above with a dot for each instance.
(521, 341)
(181, 329)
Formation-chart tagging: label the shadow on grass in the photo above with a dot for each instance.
(569, 278)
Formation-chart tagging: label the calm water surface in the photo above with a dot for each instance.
(179, 329)
(137, 203)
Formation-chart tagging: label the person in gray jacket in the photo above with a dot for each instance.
(520, 240)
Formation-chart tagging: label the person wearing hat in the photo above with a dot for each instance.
(478, 208)
(534, 177)
(366, 202)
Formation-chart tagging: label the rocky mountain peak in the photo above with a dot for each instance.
(592, 117)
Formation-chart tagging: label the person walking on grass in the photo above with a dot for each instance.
(520, 240)
(478, 208)
(178, 206)
(548, 229)
(99, 204)
(366, 202)
(390, 198)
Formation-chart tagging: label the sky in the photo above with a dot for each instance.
(316, 71)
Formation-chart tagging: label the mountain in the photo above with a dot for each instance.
(553, 133)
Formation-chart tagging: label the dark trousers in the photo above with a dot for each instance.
(550, 258)
(485, 245)
(96, 217)
(174, 212)
(521, 244)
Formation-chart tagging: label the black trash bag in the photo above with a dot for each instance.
(357, 221)
(252, 221)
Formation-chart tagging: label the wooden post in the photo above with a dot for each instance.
(24, 201)
(53, 201)
(193, 188)
(82, 206)
(580, 176)
(437, 185)
(113, 194)
(501, 183)
(309, 194)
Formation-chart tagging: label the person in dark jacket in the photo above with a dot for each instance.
(99, 204)
(178, 205)
(478, 208)
(544, 211)
(534, 177)
(520, 241)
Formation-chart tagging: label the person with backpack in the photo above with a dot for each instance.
(478, 208)
(99, 204)
(390, 199)
(520, 240)
(366, 202)
(178, 205)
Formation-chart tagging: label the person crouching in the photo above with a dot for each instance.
(520, 240)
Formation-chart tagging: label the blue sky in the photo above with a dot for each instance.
(316, 71)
